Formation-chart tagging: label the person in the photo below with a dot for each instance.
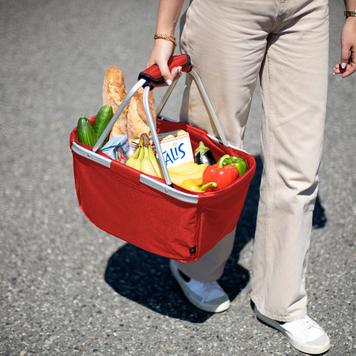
(285, 43)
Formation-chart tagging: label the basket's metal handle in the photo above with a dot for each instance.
(206, 100)
(145, 81)
(207, 103)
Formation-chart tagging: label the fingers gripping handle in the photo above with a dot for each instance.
(153, 76)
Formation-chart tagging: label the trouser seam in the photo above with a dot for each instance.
(268, 111)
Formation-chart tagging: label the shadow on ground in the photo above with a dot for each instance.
(145, 278)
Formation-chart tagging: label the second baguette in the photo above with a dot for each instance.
(136, 117)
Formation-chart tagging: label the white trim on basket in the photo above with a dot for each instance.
(82, 151)
(164, 188)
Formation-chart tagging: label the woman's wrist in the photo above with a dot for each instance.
(350, 14)
(166, 37)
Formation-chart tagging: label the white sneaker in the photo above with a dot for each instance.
(207, 296)
(305, 334)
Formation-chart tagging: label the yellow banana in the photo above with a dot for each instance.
(154, 162)
(181, 133)
(185, 174)
(168, 137)
(146, 165)
(184, 171)
(177, 179)
(131, 162)
(199, 169)
(189, 167)
(135, 160)
(139, 159)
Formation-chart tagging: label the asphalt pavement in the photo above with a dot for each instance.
(67, 288)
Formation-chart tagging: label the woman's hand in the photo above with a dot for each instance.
(167, 17)
(160, 54)
(347, 65)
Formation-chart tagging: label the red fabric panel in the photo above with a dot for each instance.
(120, 205)
(220, 213)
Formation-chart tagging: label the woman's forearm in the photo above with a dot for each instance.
(167, 18)
(350, 5)
(167, 15)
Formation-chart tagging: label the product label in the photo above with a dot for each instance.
(176, 148)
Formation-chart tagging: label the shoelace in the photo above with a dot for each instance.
(310, 324)
(309, 327)
(307, 323)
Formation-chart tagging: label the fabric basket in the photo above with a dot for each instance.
(149, 213)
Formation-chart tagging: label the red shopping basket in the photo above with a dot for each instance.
(149, 212)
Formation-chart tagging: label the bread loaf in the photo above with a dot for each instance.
(136, 117)
(114, 92)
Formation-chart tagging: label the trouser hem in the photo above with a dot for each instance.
(285, 318)
(212, 277)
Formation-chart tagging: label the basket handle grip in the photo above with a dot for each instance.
(153, 75)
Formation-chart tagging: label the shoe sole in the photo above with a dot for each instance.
(209, 308)
(300, 347)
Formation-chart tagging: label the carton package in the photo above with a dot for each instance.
(176, 147)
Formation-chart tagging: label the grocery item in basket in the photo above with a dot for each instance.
(85, 132)
(117, 148)
(136, 117)
(202, 154)
(102, 118)
(144, 158)
(194, 186)
(176, 148)
(239, 164)
(222, 174)
(114, 92)
(188, 170)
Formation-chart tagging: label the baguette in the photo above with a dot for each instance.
(114, 92)
(136, 117)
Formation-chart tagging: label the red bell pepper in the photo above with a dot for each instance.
(222, 174)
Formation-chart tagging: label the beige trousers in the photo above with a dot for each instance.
(230, 43)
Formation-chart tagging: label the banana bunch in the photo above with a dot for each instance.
(188, 170)
(144, 159)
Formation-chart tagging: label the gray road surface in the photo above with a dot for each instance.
(66, 288)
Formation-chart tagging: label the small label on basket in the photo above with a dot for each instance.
(176, 147)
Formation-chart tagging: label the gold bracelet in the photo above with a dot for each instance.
(350, 13)
(164, 36)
